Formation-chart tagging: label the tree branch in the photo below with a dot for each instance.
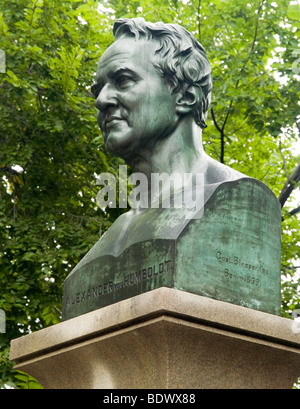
(294, 211)
(221, 130)
(291, 213)
(198, 18)
(215, 121)
(289, 185)
(256, 26)
(222, 147)
(290, 268)
(228, 112)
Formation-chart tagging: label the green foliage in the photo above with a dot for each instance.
(51, 148)
(22, 381)
(48, 214)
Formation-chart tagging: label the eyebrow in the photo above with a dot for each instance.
(121, 70)
(112, 75)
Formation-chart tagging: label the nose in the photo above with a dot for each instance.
(107, 98)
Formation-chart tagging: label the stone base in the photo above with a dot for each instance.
(164, 339)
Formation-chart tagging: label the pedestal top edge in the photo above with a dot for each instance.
(161, 301)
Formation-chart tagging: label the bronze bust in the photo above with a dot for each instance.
(153, 89)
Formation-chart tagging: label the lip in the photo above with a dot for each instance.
(111, 119)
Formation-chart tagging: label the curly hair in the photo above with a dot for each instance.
(181, 58)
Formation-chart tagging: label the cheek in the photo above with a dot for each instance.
(164, 99)
(164, 108)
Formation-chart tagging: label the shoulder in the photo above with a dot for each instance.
(219, 173)
(222, 176)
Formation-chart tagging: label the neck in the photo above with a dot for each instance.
(181, 152)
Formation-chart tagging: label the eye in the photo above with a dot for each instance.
(122, 81)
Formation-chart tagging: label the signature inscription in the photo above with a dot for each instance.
(237, 261)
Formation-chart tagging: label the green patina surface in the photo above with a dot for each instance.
(108, 279)
(231, 253)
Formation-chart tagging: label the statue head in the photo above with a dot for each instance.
(180, 59)
(151, 83)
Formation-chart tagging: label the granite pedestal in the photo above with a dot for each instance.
(164, 339)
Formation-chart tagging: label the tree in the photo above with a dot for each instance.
(52, 150)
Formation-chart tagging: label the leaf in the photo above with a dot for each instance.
(27, 381)
(33, 12)
(13, 79)
(294, 12)
(10, 385)
(3, 26)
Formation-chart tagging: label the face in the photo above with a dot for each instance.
(136, 107)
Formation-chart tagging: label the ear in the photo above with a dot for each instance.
(186, 100)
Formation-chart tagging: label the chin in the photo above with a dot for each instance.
(119, 145)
